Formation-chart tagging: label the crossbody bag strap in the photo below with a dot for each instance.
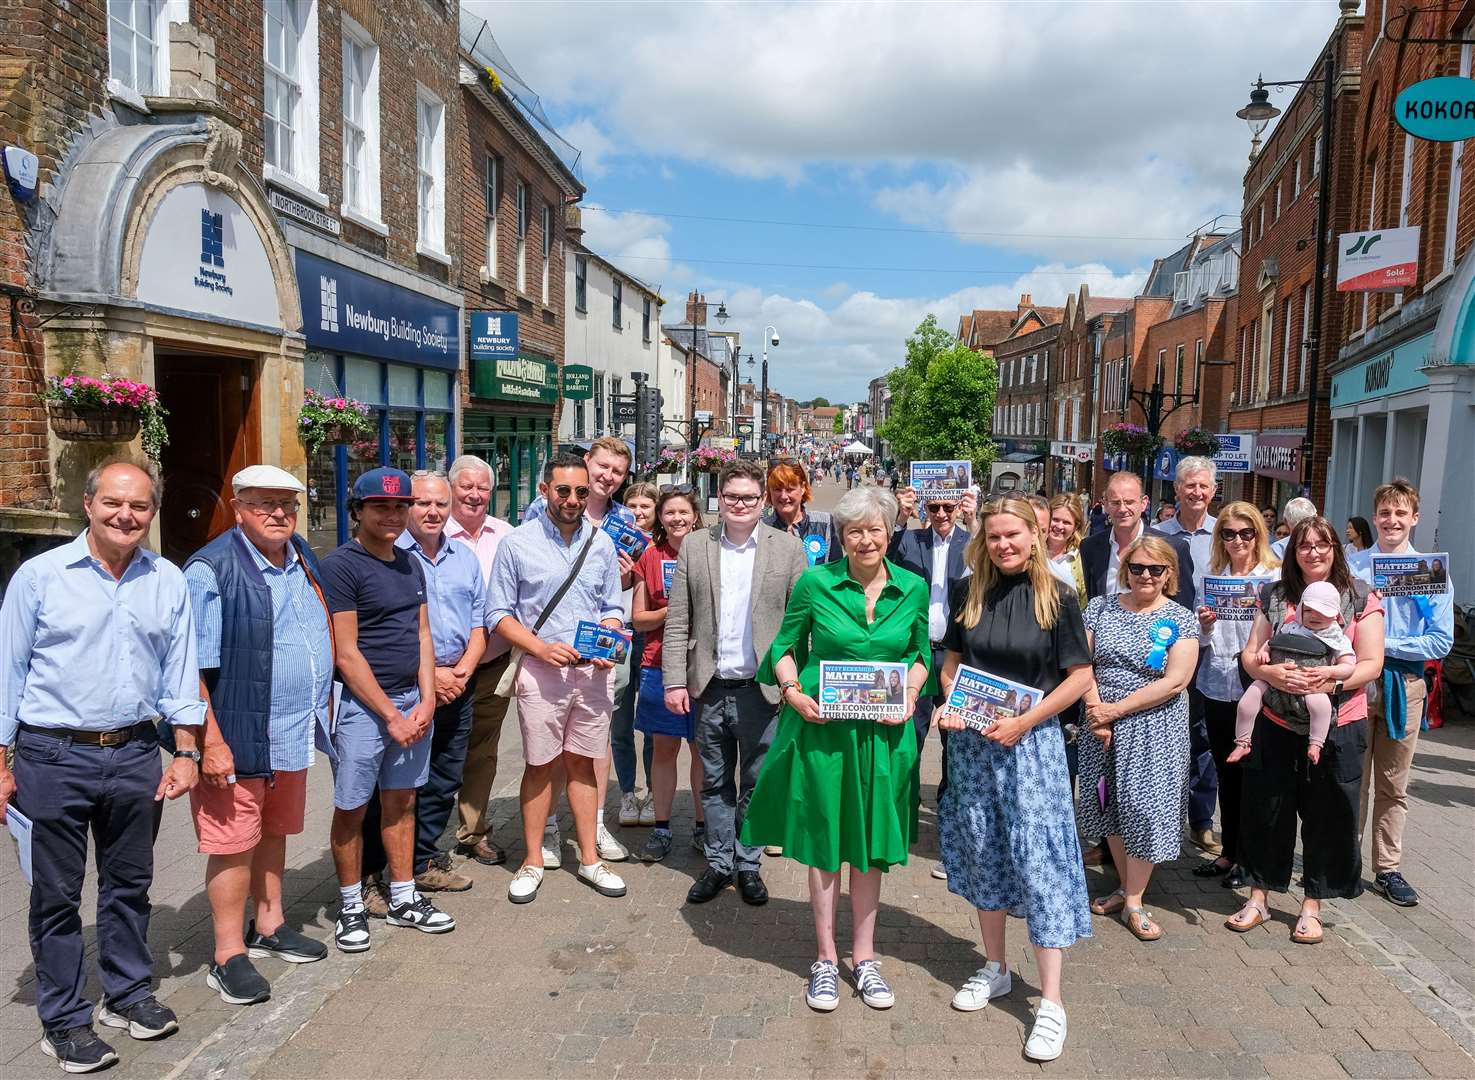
(567, 582)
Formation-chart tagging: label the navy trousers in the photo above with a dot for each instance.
(1203, 777)
(69, 790)
(436, 798)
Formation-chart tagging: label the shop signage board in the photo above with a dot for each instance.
(525, 378)
(1380, 260)
(346, 311)
(1395, 371)
(298, 210)
(1075, 451)
(1279, 457)
(578, 382)
(493, 335)
(203, 257)
(1437, 110)
(1234, 453)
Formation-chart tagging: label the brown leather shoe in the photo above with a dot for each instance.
(437, 876)
(376, 898)
(1095, 856)
(483, 851)
(1204, 840)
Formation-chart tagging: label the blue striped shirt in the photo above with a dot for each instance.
(455, 593)
(302, 652)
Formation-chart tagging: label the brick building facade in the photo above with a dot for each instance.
(1084, 325)
(1022, 408)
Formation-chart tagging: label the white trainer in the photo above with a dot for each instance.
(602, 880)
(629, 809)
(648, 810)
(552, 848)
(939, 872)
(987, 982)
(524, 886)
(1047, 1038)
(610, 849)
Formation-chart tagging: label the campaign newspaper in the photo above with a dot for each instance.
(1412, 575)
(593, 641)
(853, 690)
(1234, 599)
(981, 700)
(941, 481)
(668, 574)
(626, 536)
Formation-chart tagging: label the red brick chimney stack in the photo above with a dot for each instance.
(696, 309)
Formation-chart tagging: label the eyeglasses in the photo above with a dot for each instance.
(1322, 548)
(268, 507)
(677, 489)
(1152, 570)
(941, 508)
(1236, 534)
(564, 490)
(745, 501)
(1124, 504)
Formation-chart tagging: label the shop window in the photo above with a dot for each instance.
(403, 444)
(581, 283)
(437, 442)
(360, 124)
(430, 167)
(138, 47)
(436, 386)
(404, 385)
(516, 447)
(290, 102)
(364, 379)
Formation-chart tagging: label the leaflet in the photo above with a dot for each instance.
(941, 481)
(981, 700)
(626, 536)
(20, 828)
(1412, 575)
(594, 641)
(668, 574)
(856, 690)
(1233, 599)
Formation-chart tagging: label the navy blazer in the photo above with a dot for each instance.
(912, 549)
(1096, 561)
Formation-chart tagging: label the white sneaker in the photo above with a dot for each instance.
(602, 880)
(987, 982)
(939, 872)
(524, 886)
(1047, 1038)
(648, 810)
(629, 809)
(552, 848)
(610, 849)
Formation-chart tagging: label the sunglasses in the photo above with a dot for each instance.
(563, 491)
(941, 508)
(1152, 570)
(676, 489)
(1236, 534)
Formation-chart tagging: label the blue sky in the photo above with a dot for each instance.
(1013, 147)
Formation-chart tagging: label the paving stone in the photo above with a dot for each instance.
(1388, 1065)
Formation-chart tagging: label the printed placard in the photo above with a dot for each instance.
(626, 536)
(594, 641)
(668, 574)
(941, 481)
(1234, 599)
(981, 700)
(853, 690)
(1412, 575)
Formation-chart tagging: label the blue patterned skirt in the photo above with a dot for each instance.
(1008, 831)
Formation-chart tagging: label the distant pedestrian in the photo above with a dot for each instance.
(1359, 536)
(1296, 511)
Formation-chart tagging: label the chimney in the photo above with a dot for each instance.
(696, 309)
(1025, 302)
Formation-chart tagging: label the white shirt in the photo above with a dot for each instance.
(937, 600)
(1114, 565)
(736, 657)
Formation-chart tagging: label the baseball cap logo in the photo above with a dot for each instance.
(391, 485)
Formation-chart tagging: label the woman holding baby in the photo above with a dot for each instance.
(1281, 783)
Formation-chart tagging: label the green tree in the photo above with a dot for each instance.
(942, 401)
(816, 403)
(839, 423)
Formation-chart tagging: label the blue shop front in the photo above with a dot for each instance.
(394, 349)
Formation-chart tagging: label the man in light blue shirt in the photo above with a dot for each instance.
(456, 597)
(97, 643)
(1416, 629)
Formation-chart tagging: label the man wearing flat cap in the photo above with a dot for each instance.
(266, 669)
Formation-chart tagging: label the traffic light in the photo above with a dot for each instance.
(647, 423)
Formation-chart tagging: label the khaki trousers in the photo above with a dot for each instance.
(1385, 777)
(480, 772)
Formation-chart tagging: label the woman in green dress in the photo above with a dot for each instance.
(845, 791)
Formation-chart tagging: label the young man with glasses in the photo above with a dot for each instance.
(727, 601)
(266, 671)
(564, 702)
(1417, 629)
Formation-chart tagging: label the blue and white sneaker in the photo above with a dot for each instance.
(823, 992)
(873, 989)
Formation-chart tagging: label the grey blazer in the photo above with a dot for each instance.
(689, 652)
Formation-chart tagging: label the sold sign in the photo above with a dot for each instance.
(1438, 110)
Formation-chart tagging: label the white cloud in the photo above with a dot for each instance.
(634, 241)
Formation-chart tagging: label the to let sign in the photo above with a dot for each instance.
(1381, 260)
(1234, 453)
(1438, 110)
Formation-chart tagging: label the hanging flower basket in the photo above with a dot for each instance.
(1130, 439)
(109, 409)
(331, 421)
(711, 458)
(1196, 442)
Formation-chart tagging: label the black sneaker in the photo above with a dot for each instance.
(78, 1050)
(351, 934)
(286, 944)
(421, 914)
(237, 982)
(1397, 891)
(145, 1019)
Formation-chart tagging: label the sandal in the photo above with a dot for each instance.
(1109, 904)
(1142, 927)
(1301, 938)
(1240, 926)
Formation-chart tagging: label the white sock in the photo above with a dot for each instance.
(552, 825)
(599, 816)
(352, 896)
(401, 892)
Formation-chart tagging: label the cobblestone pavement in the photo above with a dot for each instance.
(577, 985)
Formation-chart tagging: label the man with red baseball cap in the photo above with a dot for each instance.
(386, 662)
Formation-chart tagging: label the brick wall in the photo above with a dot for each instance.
(1016, 389)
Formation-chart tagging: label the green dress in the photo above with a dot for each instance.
(845, 791)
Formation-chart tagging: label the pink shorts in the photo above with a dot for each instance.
(563, 710)
(232, 819)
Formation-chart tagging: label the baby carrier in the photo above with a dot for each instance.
(1303, 651)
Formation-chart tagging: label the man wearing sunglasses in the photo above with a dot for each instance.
(539, 592)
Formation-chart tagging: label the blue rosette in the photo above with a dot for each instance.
(1160, 638)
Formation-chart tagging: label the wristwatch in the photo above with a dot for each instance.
(193, 755)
